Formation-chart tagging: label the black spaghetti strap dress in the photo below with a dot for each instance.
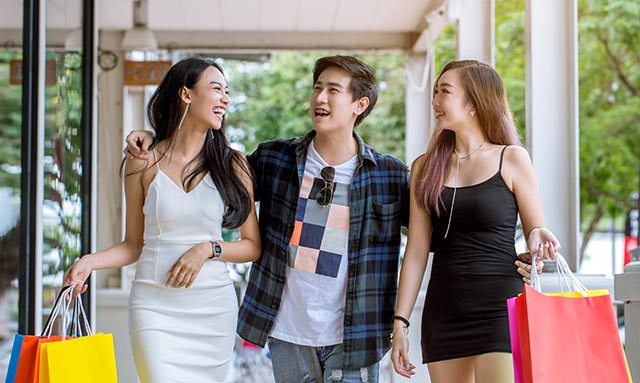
(473, 272)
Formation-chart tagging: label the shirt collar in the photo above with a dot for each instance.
(365, 152)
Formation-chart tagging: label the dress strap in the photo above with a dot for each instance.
(501, 157)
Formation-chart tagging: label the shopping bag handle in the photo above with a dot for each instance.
(80, 319)
(566, 277)
(60, 306)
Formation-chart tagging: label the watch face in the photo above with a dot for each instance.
(217, 250)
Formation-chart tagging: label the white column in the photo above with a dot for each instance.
(552, 114)
(475, 29)
(111, 301)
(418, 112)
(109, 149)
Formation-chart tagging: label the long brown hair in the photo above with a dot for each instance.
(485, 92)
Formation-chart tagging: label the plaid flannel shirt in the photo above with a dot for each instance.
(379, 205)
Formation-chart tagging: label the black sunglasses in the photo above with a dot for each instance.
(325, 195)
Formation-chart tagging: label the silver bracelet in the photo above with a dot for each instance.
(406, 332)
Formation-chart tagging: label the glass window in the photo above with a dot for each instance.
(10, 169)
(62, 164)
(61, 210)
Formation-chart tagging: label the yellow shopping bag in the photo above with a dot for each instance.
(88, 359)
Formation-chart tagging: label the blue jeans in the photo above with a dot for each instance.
(304, 364)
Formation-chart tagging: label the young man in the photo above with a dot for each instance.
(331, 211)
(323, 293)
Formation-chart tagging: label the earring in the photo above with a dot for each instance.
(213, 138)
(184, 115)
(472, 113)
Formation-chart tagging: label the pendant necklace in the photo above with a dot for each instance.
(455, 185)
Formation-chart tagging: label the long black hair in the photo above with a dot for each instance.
(164, 112)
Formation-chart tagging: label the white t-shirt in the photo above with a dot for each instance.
(312, 308)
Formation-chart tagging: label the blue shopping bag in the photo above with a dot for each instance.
(15, 356)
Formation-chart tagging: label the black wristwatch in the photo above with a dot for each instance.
(217, 250)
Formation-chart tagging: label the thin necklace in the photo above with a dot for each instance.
(470, 153)
(455, 185)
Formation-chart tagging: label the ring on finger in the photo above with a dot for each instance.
(182, 274)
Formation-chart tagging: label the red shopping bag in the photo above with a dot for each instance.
(569, 339)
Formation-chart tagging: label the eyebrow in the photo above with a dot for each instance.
(336, 84)
(219, 83)
(445, 84)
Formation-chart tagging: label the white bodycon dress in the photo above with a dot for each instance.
(179, 334)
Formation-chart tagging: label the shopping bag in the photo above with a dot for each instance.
(88, 358)
(13, 361)
(515, 340)
(569, 337)
(28, 367)
(28, 359)
(516, 352)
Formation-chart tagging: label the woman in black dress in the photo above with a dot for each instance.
(466, 193)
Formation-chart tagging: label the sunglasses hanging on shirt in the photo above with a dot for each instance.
(325, 195)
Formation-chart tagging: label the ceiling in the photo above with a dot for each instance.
(259, 24)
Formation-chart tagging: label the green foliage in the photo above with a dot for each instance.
(510, 56)
(271, 100)
(445, 49)
(609, 105)
(610, 158)
(10, 124)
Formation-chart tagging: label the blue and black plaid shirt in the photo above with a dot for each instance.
(379, 206)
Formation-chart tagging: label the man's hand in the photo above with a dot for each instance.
(138, 142)
(524, 266)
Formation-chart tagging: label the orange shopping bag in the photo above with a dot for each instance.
(29, 362)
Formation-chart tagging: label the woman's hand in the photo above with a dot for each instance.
(400, 353)
(184, 272)
(77, 275)
(138, 142)
(543, 243)
(524, 266)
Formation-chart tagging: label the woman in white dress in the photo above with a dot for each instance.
(183, 306)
